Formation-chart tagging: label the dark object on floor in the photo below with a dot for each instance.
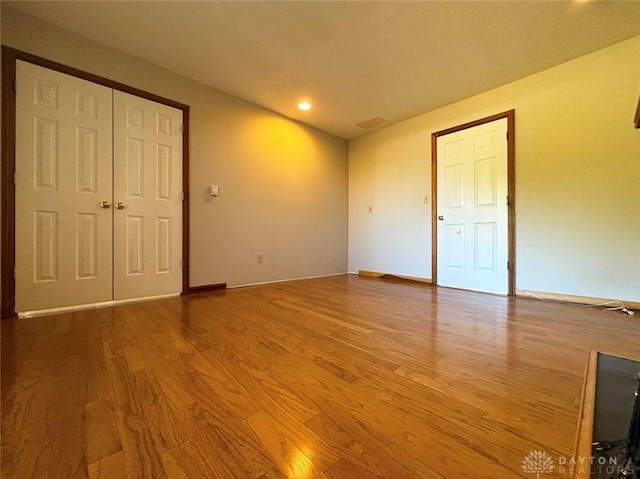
(616, 450)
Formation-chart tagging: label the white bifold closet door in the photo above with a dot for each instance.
(98, 193)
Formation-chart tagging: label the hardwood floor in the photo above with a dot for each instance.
(339, 377)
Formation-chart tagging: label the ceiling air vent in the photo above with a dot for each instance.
(375, 121)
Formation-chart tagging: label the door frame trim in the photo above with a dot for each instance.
(510, 115)
(10, 56)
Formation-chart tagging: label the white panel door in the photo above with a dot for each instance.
(63, 173)
(148, 198)
(472, 221)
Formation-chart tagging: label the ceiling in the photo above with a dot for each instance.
(352, 60)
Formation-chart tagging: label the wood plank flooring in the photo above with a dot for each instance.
(339, 377)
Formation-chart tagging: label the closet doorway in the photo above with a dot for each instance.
(99, 193)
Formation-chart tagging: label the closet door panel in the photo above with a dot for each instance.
(148, 198)
(63, 174)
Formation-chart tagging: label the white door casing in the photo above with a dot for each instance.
(472, 226)
(148, 174)
(63, 173)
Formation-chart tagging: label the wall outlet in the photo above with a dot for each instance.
(426, 199)
(260, 257)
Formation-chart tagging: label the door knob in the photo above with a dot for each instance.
(119, 206)
(441, 218)
(105, 204)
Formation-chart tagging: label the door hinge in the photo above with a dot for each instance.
(183, 129)
(508, 266)
(182, 196)
(15, 85)
(507, 134)
(508, 200)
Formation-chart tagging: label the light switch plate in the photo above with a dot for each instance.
(215, 191)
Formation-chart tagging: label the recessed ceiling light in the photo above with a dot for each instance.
(304, 105)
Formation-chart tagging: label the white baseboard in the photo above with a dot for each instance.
(83, 307)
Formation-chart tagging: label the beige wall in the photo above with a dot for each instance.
(283, 185)
(577, 180)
